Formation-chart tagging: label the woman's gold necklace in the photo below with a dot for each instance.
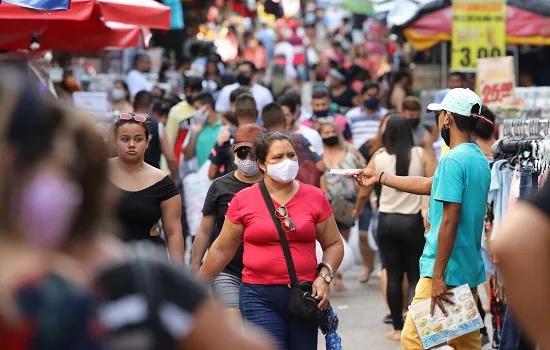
(130, 171)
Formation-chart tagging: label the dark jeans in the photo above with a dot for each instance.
(512, 339)
(267, 308)
(401, 240)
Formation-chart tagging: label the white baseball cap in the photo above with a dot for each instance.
(459, 101)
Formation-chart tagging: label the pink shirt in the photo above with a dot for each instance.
(263, 259)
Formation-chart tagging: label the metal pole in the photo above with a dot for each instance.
(516, 62)
(444, 64)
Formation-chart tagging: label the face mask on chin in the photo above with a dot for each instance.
(446, 135)
(283, 172)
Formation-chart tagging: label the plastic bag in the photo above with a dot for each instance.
(195, 188)
(347, 262)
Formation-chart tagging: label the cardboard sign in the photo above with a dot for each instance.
(496, 81)
(479, 31)
(96, 103)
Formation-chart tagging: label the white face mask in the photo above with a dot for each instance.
(201, 115)
(284, 171)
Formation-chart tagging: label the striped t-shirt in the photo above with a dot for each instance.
(364, 126)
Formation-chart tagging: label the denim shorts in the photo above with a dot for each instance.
(226, 287)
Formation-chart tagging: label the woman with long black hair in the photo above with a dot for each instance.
(400, 225)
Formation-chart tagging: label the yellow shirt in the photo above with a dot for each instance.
(180, 112)
(444, 149)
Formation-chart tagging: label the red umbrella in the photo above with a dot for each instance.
(69, 36)
(146, 13)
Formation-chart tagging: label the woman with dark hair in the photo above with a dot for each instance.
(400, 225)
(212, 76)
(54, 249)
(120, 96)
(148, 194)
(305, 215)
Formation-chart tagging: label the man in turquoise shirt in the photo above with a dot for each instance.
(204, 130)
(458, 190)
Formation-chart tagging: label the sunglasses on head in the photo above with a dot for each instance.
(137, 117)
(243, 152)
(288, 224)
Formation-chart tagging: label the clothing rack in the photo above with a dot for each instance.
(526, 128)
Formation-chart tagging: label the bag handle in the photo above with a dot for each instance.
(282, 236)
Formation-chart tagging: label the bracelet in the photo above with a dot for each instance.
(327, 265)
(380, 178)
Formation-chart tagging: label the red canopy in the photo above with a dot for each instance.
(89, 25)
(69, 36)
(145, 13)
(522, 28)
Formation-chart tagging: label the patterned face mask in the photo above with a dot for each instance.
(247, 167)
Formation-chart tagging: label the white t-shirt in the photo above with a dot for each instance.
(261, 94)
(313, 137)
(137, 82)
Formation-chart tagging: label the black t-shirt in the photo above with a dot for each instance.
(222, 156)
(541, 199)
(128, 290)
(217, 201)
(139, 211)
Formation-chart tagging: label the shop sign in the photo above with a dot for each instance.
(496, 81)
(479, 31)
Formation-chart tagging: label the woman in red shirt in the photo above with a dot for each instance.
(265, 294)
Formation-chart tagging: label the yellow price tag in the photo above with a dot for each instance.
(479, 31)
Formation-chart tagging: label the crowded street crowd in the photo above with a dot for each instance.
(218, 210)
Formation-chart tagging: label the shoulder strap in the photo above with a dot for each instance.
(282, 237)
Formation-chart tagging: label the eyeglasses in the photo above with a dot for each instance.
(288, 224)
(136, 117)
(243, 152)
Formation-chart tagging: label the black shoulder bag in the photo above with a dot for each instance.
(302, 304)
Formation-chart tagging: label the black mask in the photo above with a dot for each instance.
(321, 114)
(189, 99)
(331, 141)
(243, 80)
(372, 103)
(414, 123)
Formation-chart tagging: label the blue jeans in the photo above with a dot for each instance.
(512, 337)
(267, 308)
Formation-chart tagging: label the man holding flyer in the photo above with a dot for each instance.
(458, 196)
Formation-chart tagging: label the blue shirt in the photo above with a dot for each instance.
(176, 21)
(463, 176)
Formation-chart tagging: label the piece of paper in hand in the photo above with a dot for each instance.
(343, 171)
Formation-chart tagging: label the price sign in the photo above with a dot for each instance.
(479, 31)
(496, 81)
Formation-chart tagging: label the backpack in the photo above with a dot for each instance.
(308, 172)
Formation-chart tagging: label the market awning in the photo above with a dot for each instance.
(146, 13)
(523, 27)
(92, 35)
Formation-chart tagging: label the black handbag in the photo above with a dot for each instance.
(302, 304)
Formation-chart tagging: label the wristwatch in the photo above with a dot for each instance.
(327, 278)
(329, 268)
